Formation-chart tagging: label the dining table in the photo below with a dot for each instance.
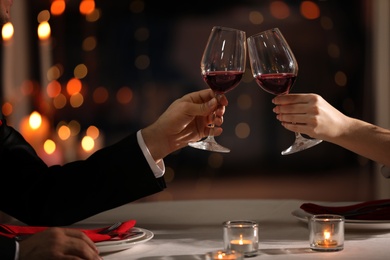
(188, 229)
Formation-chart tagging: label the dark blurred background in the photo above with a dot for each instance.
(149, 51)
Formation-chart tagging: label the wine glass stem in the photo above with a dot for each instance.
(211, 132)
(212, 125)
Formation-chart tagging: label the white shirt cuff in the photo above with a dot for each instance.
(157, 168)
(16, 250)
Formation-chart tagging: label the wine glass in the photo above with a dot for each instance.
(275, 69)
(222, 67)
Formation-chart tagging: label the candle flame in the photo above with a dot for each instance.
(241, 242)
(326, 235)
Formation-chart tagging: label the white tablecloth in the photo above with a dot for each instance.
(186, 230)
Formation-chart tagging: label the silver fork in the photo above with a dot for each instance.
(110, 228)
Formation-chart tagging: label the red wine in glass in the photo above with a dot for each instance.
(223, 81)
(277, 84)
(222, 67)
(275, 69)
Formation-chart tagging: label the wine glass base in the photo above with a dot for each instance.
(300, 144)
(209, 146)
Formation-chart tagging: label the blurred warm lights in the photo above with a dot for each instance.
(7, 31)
(63, 132)
(57, 7)
(53, 73)
(86, 6)
(49, 146)
(93, 16)
(137, 6)
(35, 128)
(256, 17)
(59, 101)
(80, 71)
(142, 62)
(87, 143)
(56, 71)
(28, 87)
(124, 95)
(89, 43)
(74, 127)
(74, 86)
(7, 108)
(242, 130)
(44, 30)
(100, 95)
(279, 9)
(309, 10)
(142, 34)
(53, 89)
(43, 16)
(326, 22)
(333, 51)
(35, 120)
(76, 100)
(93, 132)
(340, 78)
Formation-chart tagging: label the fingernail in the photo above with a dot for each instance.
(212, 102)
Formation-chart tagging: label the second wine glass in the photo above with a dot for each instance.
(275, 69)
(222, 67)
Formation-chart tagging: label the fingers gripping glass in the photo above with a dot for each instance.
(275, 69)
(222, 67)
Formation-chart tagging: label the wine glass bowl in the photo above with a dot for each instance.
(222, 67)
(275, 69)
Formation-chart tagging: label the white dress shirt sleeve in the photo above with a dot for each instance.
(157, 168)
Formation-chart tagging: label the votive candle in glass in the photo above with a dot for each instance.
(224, 255)
(241, 236)
(326, 232)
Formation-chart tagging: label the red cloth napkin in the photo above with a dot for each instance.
(13, 231)
(369, 210)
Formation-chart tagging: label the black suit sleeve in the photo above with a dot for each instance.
(7, 248)
(61, 195)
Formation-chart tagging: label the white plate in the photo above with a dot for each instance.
(117, 245)
(349, 223)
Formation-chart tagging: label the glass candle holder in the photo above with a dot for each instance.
(224, 255)
(241, 236)
(326, 232)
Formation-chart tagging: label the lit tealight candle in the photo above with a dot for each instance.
(224, 255)
(241, 245)
(327, 240)
(241, 236)
(326, 232)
